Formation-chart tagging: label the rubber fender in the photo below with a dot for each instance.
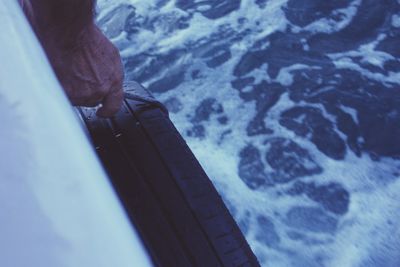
(168, 197)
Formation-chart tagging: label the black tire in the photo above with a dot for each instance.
(167, 195)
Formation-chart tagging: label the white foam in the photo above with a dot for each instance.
(371, 184)
(396, 21)
(330, 25)
(285, 77)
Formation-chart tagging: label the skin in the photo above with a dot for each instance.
(86, 63)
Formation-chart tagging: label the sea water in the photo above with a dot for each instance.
(293, 109)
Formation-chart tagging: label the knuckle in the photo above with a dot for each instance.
(99, 94)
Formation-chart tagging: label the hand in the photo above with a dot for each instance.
(90, 71)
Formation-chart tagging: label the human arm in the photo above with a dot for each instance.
(87, 65)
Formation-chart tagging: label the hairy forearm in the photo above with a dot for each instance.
(86, 63)
(64, 20)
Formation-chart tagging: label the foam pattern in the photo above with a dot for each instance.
(293, 109)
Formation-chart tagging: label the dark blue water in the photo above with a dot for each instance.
(292, 107)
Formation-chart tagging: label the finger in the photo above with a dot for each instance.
(111, 104)
(91, 101)
(92, 104)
